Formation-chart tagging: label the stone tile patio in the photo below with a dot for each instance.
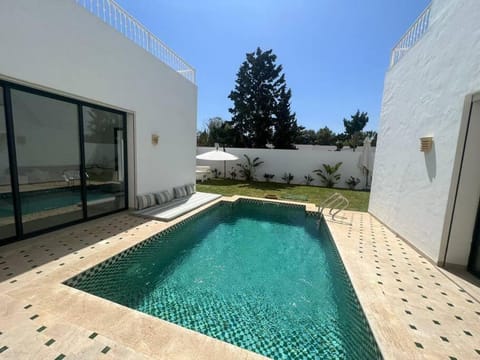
(415, 309)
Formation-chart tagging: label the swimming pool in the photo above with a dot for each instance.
(258, 275)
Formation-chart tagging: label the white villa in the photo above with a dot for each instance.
(87, 98)
(98, 116)
(432, 89)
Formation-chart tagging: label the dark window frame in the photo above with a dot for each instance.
(12, 157)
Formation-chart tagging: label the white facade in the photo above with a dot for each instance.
(427, 94)
(299, 163)
(58, 46)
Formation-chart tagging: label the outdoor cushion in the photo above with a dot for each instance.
(163, 197)
(179, 192)
(190, 189)
(145, 201)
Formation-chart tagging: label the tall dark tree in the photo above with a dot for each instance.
(354, 127)
(256, 99)
(285, 123)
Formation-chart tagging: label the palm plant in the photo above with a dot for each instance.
(328, 175)
(247, 169)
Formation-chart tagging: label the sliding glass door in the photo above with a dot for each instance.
(48, 160)
(104, 160)
(7, 213)
(61, 161)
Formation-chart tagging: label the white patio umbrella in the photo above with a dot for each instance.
(365, 161)
(216, 155)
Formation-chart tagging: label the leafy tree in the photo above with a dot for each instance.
(247, 169)
(285, 125)
(260, 100)
(306, 137)
(325, 136)
(328, 175)
(217, 130)
(354, 127)
(202, 138)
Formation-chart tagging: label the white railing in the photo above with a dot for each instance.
(411, 37)
(115, 16)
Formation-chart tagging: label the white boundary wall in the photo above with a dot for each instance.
(424, 95)
(60, 47)
(298, 162)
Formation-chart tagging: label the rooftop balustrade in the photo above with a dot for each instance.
(118, 18)
(411, 37)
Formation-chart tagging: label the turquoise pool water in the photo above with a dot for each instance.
(260, 276)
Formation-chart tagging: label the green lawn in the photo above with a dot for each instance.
(312, 194)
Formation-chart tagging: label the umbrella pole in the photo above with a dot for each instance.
(224, 169)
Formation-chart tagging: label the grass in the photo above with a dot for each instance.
(312, 194)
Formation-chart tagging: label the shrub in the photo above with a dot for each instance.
(247, 169)
(328, 175)
(287, 178)
(352, 182)
(216, 173)
(339, 145)
(233, 173)
(308, 179)
(268, 177)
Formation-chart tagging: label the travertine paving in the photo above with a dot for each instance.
(415, 310)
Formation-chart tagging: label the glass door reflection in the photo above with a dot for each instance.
(7, 215)
(48, 160)
(104, 133)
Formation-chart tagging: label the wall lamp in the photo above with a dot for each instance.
(426, 143)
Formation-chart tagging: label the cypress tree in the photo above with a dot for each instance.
(261, 101)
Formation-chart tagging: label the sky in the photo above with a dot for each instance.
(334, 53)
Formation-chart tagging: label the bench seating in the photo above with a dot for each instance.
(177, 207)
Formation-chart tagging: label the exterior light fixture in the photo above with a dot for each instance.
(154, 139)
(426, 143)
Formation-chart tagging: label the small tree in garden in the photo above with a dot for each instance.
(328, 175)
(247, 169)
(233, 173)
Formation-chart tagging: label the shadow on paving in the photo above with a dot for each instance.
(25, 255)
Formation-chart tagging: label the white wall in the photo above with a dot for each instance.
(298, 162)
(424, 95)
(58, 46)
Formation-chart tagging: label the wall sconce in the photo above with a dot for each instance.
(426, 143)
(154, 139)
